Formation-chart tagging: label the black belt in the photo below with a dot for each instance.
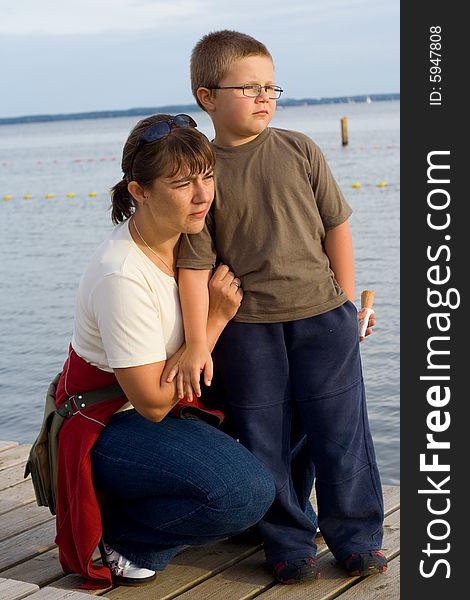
(82, 400)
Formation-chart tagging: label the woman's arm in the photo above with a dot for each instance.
(146, 386)
(145, 390)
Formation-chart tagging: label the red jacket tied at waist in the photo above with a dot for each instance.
(78, 518)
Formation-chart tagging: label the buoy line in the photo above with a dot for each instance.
(48, 196)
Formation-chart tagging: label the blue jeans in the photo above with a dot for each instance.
(310, 367)
(174, 483)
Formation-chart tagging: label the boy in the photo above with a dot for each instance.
(279, 221)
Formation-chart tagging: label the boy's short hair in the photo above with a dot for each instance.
(215, 53)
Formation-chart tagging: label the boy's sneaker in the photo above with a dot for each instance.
(296, 571)
(124, 571)
(365, 563)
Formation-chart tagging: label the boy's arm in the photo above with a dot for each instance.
(194, 298)
(338, 248)
(224, 299)
(147, 386)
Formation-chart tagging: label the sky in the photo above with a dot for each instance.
(63, 56)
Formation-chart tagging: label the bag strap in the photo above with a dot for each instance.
(82, 400)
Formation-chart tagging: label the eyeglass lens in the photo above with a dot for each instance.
(253, 91)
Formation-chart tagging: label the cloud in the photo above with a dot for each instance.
(62, 17)
(72, 56)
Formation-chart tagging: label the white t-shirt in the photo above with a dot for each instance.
(127, 311)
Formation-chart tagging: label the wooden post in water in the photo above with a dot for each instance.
(344, 130)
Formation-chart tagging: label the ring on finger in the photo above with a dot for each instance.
(236, 282)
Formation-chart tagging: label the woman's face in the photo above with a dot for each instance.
(181, 203)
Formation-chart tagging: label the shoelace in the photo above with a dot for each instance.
(117, 566)
(308, 562)
(122, 564)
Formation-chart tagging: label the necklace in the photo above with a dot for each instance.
(151, 249)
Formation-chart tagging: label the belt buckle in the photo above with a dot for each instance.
(74, 404)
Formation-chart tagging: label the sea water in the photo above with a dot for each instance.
(45, 243)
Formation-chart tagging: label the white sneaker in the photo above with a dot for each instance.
(124, 571)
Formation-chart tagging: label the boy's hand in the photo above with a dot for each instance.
(195, 359)
(372, 321)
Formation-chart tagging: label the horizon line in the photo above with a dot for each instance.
(140, 111)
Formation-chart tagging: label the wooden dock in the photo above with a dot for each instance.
(228, 570)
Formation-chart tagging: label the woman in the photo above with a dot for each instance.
(162, 482)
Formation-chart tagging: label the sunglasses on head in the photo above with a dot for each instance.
(161, 129)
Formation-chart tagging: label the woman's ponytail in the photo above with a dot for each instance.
(122, 202)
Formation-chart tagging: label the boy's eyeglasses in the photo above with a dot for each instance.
(254, 90)
(160, 130)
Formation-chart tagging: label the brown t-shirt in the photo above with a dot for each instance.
(275, 199)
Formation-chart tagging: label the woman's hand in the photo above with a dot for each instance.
(225, 294)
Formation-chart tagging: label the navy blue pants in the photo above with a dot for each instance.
(310, 367)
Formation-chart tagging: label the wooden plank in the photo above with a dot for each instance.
(73, 582)
(334, 580)
(18, 495)
(41, 570)
(391, 494)
(187, 569)
(11, 476)
(15, 590)
(246, 579)
(378, 588)
(17, 455)
(21, 519)
(27, 544)
(4, 445)
(250, 577)
(45, 569)
(51, 593)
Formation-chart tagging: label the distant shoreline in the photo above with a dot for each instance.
(139, 112)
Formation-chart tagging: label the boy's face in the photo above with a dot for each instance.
(238, 119)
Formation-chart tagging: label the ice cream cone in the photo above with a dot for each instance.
(367, 299)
